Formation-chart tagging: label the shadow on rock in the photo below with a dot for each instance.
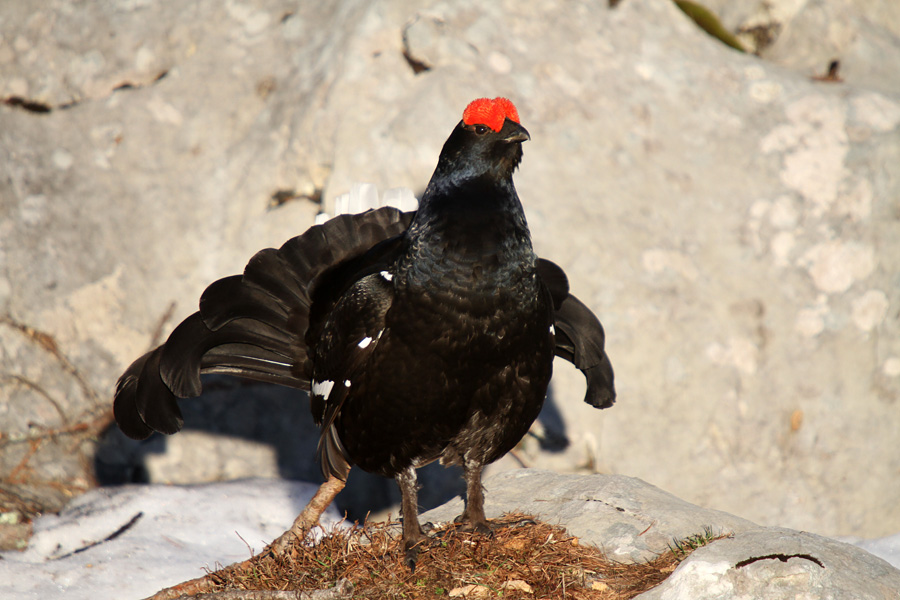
(238, 430)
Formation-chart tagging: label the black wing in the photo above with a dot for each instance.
(256, 325)
(349, 339)
(579, 337)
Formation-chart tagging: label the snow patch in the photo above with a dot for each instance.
(180, 531)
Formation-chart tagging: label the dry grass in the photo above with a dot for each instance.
(524, 561)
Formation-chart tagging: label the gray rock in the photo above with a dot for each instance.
(633, 521)
(731, 221)
(629, 519)
(773, 563)
(807, 36)
(887, 547)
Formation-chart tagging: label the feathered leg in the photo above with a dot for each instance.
(473, 515)
(409, 510)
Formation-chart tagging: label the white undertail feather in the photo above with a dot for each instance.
(322, 388)
(364, 196)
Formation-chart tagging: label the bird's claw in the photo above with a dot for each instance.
(481, 527)
(522, 523)
(410, 556)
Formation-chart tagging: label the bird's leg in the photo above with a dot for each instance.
(409, 510)
(309, 516)
(473, 515)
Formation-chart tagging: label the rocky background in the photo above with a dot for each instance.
(734, 219)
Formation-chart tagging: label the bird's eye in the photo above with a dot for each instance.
(480, 129)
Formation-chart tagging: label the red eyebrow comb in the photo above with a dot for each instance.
(490, 112)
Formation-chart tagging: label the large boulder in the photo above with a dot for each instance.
(775, 563)
(633, 521)
(732, 222)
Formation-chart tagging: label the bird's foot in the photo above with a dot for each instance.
(432, 537)
(411, 549)
(409, 558)
(526, 522)
(485, 528)
(520, 523)
(479, 526)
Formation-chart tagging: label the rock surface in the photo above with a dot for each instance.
(732, 221)
(631, 520)
(135, 540)
(807, 36)
(773, 563)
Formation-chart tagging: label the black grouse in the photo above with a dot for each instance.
(421, 336)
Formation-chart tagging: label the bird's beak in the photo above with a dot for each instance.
(515, 132)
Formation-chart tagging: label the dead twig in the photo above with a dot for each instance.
(343, 589)
(48, 343)
(88, 424)
(156, 337)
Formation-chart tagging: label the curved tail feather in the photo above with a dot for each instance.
(194, 349)
(252, 325)
(125, 406)
(143, 402)
(580, 340)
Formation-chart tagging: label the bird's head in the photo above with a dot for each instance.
(487, 141)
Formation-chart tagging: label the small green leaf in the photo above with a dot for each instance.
(709, 23)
